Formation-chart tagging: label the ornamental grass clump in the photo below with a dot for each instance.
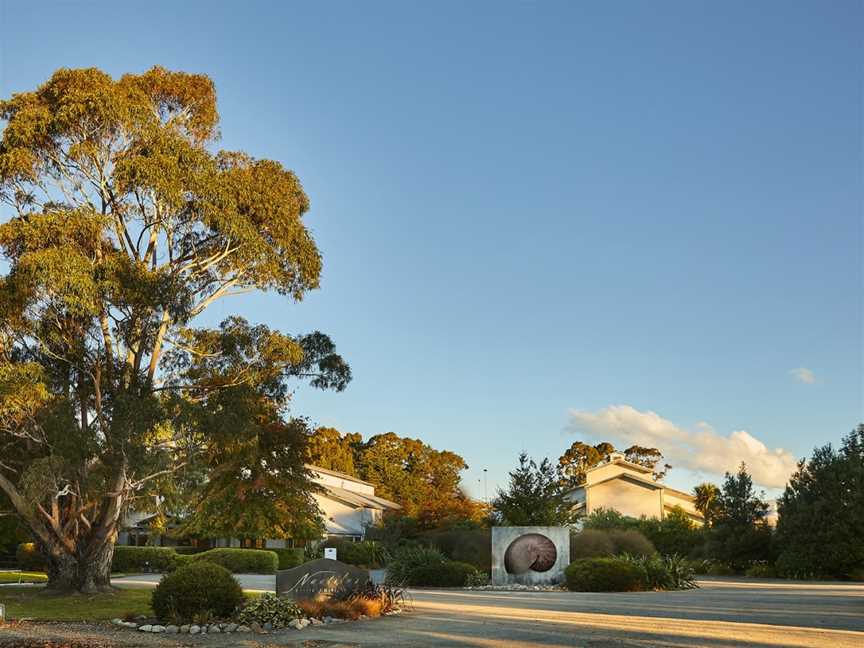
(603, 575)
(663, 572)
(269, 608)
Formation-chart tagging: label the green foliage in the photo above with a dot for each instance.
(426, 482)
(761, 570)
(29, 558)
(240, 561)
(534, 497)
(289, 558)
(579, 457)
(126, 224)
(664, 572)
(716, 568)
(197, 592)
(603, 575)
(139, 559)
(740, 535)
(821, 522)
(269, 608)
(675, 534)
(593, 543)
(369, 553)
(473, 546)
(605, 519)
(410, 558)
(450, 573)
(707, 501)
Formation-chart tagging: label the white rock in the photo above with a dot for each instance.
(194, 629)
(294, 623)
(214, 628)
(172, 629)
(184, 629)
(231, 627)
(244, 628)
(117, 621)
(157, 628)
(315, 621)
(145, 628)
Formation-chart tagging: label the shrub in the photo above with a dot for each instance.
(368, 553)
(675, 534)
(197, 592)
(289, 558)
(473, 546)
(450, 573)
(593, 543)
(720, 569)
(29, 558)
(241, 561)
(761, 570)
(386, 597)
(590, 543)
(269, 608)
(138, 559)
(664, 572)
(186, 551)
(603, 575)
(407, 559)
(607, 519)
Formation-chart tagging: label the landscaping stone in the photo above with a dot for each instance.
(172, 629)
(184, 629)
(157, 628)
(315, 621)
(268, 626)
(256, 627)
(194, 629)
(214, 628)
(244, 628)
(145, 628)
(231, 627)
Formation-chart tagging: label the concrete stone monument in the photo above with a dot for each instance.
(319, 579)
(529, 555)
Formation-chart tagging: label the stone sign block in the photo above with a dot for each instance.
(319, 579)
(529, 555)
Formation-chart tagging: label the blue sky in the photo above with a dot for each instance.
(544, 220)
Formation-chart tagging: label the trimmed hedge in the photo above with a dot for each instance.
(595, 543)
(240, 561)
(199, 591)
(473, 546)
(451, 573)
(29, 558)
(603, 575)
(136, 559)
(289, 558)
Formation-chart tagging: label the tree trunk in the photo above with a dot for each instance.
(87, 574)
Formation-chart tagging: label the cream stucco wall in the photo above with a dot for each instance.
(626, 497)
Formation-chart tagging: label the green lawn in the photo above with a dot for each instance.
(35, 603)
(22, 577)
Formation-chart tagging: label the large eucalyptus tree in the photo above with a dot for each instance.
(121, 224)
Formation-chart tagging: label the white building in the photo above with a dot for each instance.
(629, 489)
(349, 505)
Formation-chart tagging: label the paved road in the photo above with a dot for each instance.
(721, 614)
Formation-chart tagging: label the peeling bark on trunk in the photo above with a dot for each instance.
(87, 574)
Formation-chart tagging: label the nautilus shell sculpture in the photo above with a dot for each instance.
(532, 551)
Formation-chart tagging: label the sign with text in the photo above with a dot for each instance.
(319, 579)
(330, 552)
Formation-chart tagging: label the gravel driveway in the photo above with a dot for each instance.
(722, 614)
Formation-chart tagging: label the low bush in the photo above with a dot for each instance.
(29, 558)
(407, 559)
(385, 598)
(472, 546)
(603, 575)
(368, 553)
(664, 572)
(289, 558)
(188, 551)
(594, 543)
(198, 592)
(269, 608)
(450, 573)
(719, 569)
(761, 570)
(240, 561)
(140, 559)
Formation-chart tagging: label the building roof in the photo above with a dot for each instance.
(636, 479)
(620, 460)
(336, 473)
(358, 499)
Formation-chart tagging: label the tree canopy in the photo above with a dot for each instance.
(534, 496)
(821, 523)
(580, 456)
(426, 482)
(125, 225)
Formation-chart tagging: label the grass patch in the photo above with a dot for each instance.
(30, 603)
(22, 577)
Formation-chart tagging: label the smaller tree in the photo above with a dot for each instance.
(740, 535)
(707, 501)
(534, 497)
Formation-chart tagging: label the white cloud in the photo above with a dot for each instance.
(698, 449)
(803, 375)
